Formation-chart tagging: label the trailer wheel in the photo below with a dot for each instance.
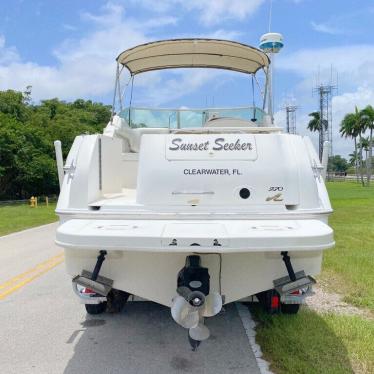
(270, 301)
(290, 308)
(95, 308)
(116, 300)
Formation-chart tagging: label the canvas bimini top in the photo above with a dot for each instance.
(193, 53)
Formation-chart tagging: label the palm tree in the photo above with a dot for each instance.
(349, 128)
(362, 126)
(368, 116)
(363, 146)
(313, 124)
(316, 124)
(353, 159)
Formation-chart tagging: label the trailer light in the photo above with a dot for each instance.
(88, 291)
(275, 302)
(297, 292)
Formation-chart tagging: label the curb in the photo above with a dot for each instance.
(249, 326)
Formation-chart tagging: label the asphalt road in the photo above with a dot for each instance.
(44, 329)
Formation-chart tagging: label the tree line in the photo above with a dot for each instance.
(27, 133)
(358, 126)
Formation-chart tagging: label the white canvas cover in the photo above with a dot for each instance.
(193, 53)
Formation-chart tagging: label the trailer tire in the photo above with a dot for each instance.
(290, 308)
(95, 308)
(265, 300)
(116, 300)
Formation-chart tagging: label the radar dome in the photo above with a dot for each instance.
(271, 42)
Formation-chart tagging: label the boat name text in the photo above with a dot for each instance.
(219, 145)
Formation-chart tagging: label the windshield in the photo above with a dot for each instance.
(186, 118)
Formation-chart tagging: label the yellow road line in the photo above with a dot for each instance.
(23, 275)
(21, 280)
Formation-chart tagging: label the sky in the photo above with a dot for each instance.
(67, 49)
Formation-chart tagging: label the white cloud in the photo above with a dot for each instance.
(113, 13)
(325, 28)
(7, 54)
(213, 12)
(347, 102)
(354, 64)
(210, 12)
(68, 27)
(85, 67)
(179, 83)
(223, 34)
(344, 59)
(349, 23)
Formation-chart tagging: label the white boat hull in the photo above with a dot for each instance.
(230, 236)
(152, 276)
(148, 231)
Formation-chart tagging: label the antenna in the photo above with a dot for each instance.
(271, 43)
(270, 14)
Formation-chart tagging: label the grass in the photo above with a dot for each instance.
(328, 343)
(349, 268)
(16, 217)
(311, 343)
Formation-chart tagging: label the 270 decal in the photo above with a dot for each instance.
(276, 188)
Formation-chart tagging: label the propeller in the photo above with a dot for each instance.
(200, 332)
(184, 313)
(187, 309)
(212, 305)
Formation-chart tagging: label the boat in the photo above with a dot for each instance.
(193, 208)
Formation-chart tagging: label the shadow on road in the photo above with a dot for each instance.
(144, 339)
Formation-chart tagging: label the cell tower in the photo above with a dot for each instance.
(325, 93)
(290, 118)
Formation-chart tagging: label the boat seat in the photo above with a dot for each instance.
(133, 136)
